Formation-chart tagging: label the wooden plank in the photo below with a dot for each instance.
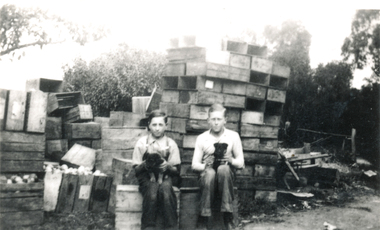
(177, 137)
(83, 192)
(233, 115)
(59, 101)
(80, 113)
(248, 170)
(199, 112)
(128, 220)
(100, 193)
(259, 78)
(235, 46)
(22, 147)
(154, 101)
(256, 91)
(236, 88)
(3, 106)
(103, 121)
(177, 124)
(269, 196)
(189, 209)
(38, 193)
(209, 98)
(169, 82)
(127, 119)
(56, 149)
(170, 96)
(121, 139)
(53, 129)
(268, 145)
(272, 120)
(254, 183)
(259, 158)
(81, 156)
(176, 110)
(218, 57)
(264, 170)
(239, 74)
(96, 144)
(209, 84)
(281, 71)
(128, 199)
(276, 95)
(21, 166)
(257, 50)
(251, 117)
(251, 144)
(44, 85)
(87, 143)
(247, 130)
(22, 155)
(175, 69)
(27, 187)
(21, 137)
(67, 193)
(22, 218)
(36, 112)
(261, 65)
(187, 155)
(186, 54)
(240, 60)
(234, 101)
(90, 130)
(105, 159)
(189, 141)
(52, 183)
(188, 97)
(15, 117)
(139, 104)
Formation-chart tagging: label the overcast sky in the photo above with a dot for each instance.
(150, 24)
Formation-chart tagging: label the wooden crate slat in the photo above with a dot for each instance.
(21, 137)
(276, 95)
(272, 120)
(21, 204)
(36, 112)
(251, 117)
(79, 113)
(67, 193)
(261, 65)
(199, 112)
(90, 130)
(209, 84)
(260, 183)
(235, 46)
(175, 69)
(176, 110)
(53, 129)
(121, 138)
(44, 85)
(119, 118)
(16, 111)
(282, 71)
(103, 121)
(177, 124)
(240, 60)
(81, 156)
(22, 147)
(250, 143)
(105, 159)
(21, 166)
(257, 50)
(188, 97)
(87, 143)
(186, 54)
(236, 88)
(264, 170)
(83, 193)
(3, 106)
(22, 187)
(21, 218)
(256, 91)
(22, 156)
(170, 96)
(189, 141)
(234, 101)
(247, 130)
(59, 101)
(239, 74)
(52, 183)
(259, 158)
(100, 193)
(177, 137)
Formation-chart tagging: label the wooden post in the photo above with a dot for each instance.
(353, 147)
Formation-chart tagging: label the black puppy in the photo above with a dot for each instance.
(220, 151)
(153, 162)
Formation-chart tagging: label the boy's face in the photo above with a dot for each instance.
(157, 127)
(217, 121)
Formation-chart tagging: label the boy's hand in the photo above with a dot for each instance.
(163, 167)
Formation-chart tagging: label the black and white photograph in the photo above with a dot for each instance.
(189, 115)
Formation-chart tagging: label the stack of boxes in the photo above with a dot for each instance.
(22, 146)
(250, 86)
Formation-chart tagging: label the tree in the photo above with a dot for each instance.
(363, 44)
(289, 45)
(109, 82)
(25, 27)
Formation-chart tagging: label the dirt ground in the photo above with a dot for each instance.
(362, 213)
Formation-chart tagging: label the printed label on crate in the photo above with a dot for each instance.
(209, 84)
(84, 192)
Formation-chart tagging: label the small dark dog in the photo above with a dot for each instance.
(153, 162)
(220, 151)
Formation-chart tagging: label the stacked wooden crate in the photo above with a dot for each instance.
(22, 146)
(250, 86)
